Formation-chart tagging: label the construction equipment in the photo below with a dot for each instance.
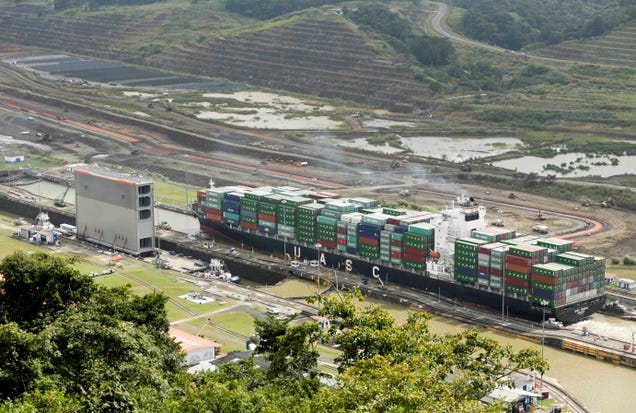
(59, 201)
(512, 196)
(540, 216)
(497, 222)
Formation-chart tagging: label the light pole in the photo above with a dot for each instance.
(543, 304)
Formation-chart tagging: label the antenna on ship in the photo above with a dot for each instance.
(211, 183)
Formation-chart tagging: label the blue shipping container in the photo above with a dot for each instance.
(247, 213)
(266, 230)
(366, 227)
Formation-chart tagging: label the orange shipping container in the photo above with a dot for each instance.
(518, 268)
(544, 279)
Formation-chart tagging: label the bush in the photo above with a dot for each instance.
(629, 261)
(616, 261)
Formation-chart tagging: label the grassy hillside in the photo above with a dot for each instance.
(615, 48)
(314, 52)
(319, 52)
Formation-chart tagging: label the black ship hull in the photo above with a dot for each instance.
(420, 280)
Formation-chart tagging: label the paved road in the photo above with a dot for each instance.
(437, 26)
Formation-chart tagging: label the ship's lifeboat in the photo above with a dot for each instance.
(435, 255)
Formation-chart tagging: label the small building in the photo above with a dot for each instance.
(514, 400)
(197, 349)
(323, 322)
(609, 278)
(626, 283)
(14, 158)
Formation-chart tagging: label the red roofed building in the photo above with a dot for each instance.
(197, 349)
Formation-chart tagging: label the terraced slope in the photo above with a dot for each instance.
(616, 48)
(327, 58)
(323, 58)
(105, 35)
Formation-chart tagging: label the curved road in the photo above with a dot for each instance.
(438, 27)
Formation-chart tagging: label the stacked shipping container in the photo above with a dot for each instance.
(358, 226)
(529, 270)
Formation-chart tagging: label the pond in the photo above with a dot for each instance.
(267, 111)
(576, 165)
(450, 149)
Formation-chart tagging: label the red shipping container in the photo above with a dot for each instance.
(369, 241)
(494, 271)
(513, 259)
(393, 221)
(517, 282)
(414, 251)
(396, 243)
(414, 258)
(543, 279)
(327, 244)
(518, 268)
(341, 241)
(341, 230)
(248, 225)
(266, 217)
(485, 270)
(211, 210)
(214, 217)
(395, 254)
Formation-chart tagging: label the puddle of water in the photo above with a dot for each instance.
(600, 166)
(266, 120)
(139, 94)
(269, 111)
(362, 143)
(455, 150)
(271, 99)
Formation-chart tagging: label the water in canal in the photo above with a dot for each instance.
(601, 386)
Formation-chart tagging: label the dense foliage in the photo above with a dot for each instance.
(69, 345)
(516, 24)
(105, 350)
(381, 19)
(428, 50)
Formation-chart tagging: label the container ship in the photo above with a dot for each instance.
(451, 252)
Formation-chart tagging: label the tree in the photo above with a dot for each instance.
(432, 51)
(289, 348)
(70, 345)
(39, 285)
(390, 367)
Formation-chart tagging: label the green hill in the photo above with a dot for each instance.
(615, 48)
(315, 52)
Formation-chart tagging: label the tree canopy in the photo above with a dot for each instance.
(516, 24)
(107, 350)
(69, 345)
